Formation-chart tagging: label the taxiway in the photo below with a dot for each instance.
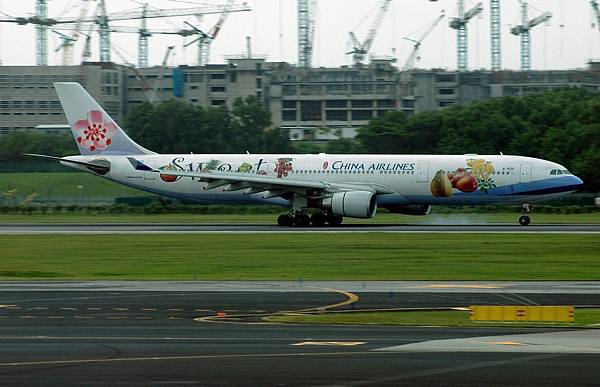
(146, 333)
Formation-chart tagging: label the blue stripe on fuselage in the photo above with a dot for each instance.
(536, 187)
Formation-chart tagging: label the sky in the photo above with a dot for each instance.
(569, 40)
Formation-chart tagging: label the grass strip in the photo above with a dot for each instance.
(583, 318)
(355, 256)
(384, 218)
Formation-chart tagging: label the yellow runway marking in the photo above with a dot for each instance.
(233, 319)
(340, 343)
(7, 306)
(193, 357)
(505, 343)
(93, 308)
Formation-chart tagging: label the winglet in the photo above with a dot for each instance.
(138, 165)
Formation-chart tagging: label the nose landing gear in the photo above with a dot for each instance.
(524, 220)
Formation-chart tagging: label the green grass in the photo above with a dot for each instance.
(583, 318)
(64, 184)
(384, 218)
(369, 256)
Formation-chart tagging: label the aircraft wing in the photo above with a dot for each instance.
(254, 183)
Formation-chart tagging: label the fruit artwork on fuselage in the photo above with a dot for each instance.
(476, 175)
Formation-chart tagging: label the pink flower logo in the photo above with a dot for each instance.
(95, 133)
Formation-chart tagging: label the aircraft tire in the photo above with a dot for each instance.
(335, 220)
(318, 219)
(301, 220)
(285, 220)
(524, 220)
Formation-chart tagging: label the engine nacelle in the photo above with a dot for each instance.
(411, 209)
(354, 204)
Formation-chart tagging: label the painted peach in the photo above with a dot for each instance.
(467, 184)
(168, 178)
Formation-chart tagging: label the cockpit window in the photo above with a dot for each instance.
(553, 172)
(559, 172)
(566, 172)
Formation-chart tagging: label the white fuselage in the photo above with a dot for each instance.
(398, 179)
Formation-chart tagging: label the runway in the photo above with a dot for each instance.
(148, 333)
(172, 228)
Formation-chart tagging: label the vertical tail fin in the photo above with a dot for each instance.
(94, 130)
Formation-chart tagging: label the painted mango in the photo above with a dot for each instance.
(440, 185)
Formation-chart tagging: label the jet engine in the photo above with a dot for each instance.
(99, 166)
(411, 209)
(354, 204)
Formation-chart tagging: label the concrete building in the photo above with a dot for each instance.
(313, 104)
(28, 99)
(437, 89)
(326, 103)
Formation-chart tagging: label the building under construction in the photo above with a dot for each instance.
(312, 103)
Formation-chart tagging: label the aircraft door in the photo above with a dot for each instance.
(423, 172)
(525, 175)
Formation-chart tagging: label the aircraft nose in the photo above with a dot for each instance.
(577, 182)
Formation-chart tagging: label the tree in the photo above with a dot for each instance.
(559, 125)
(179, 127)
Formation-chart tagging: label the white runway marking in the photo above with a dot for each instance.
(581, 341)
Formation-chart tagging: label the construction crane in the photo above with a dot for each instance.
(460, 25)
(102, 19)
(204, 45)
(146, 13)
(136, 73)
(68, 41)
(307, 20)
(596, 9)
(523, 30)
(205, 39)
(134, 30)
(412, 58)
(360, 50)
(495, 35)
(41, 32)
(162, 73)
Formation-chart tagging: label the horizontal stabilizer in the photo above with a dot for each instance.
(94, 167)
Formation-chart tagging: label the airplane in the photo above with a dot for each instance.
(335, 185)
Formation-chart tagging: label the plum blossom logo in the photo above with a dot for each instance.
(95, 133)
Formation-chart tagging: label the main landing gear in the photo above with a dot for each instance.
(524, 220)
(317, 219)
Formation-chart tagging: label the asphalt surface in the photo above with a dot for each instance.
(115, 333)
(155, 228)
